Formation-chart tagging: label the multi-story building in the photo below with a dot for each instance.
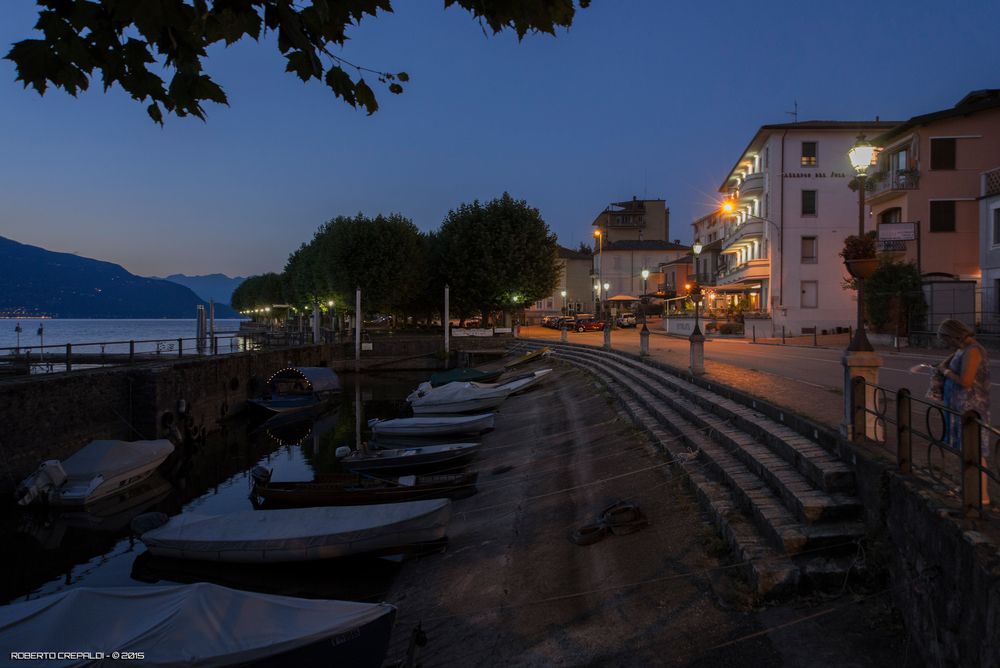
(989, 248)
(574, 280)
(636, 220)
(792, 209)
(924, 193)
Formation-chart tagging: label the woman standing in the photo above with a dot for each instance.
(966, 385)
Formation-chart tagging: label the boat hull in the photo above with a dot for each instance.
(304, 534)
(468, 406)
(436, 457)
(424, 426)
(350, 491)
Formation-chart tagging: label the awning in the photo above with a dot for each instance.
(623, 298)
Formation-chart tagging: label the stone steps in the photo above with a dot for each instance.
(780, 501)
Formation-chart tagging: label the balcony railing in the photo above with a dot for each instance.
(883, 182)
(752, 184)
(991, 182)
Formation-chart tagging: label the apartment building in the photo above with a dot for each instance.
(791, 210)
(574, 279)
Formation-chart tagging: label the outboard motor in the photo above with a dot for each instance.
(342, 451)
(49, 476)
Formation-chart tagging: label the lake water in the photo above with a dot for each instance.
(46, 551)
(63, 331)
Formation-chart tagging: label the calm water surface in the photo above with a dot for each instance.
(47, 552)
(63, 331)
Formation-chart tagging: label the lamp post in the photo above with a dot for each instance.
(860, 359)
(563, 293)
(697, 339)
(644, 334)
(607, 322)
(600, 268)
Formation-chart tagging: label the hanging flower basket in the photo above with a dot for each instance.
(863, 268)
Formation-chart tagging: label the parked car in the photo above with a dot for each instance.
(588, 325)
(626, 320)
(551, 321)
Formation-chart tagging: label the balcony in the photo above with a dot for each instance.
(752, 185)
(886, 183)
(743, 235)
(752, 270)
(991, 183)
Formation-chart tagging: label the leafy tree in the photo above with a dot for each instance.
(494, 254)
(385, 256)
(259, 291)
(894, 297)
(120, 39)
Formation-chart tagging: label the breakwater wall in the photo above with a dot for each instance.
(53, 416)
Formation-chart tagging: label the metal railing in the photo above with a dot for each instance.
(925, 428)
(62, 357)
(883, 182)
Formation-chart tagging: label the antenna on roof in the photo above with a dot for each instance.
(795, 112)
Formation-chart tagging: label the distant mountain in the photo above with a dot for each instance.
(213, 287)
(68, 286)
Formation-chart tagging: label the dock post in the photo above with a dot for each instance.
(131, 352)
(180, 347)
(69, 356)
(215, 345)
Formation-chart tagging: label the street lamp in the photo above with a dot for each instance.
(696, 340)
(563, 293)
(642, 300)
(600, 266)
(860, 155)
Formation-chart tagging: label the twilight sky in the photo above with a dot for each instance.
(640, 97)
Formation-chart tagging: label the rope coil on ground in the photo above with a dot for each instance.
(619, 519)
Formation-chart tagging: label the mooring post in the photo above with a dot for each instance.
(69, 356)
(180, 347)
(215, 345)
(131, 352)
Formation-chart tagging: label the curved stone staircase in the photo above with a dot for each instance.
(784, 504)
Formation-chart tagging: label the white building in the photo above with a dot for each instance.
(793, 209)
(574, 280)
(989, 249)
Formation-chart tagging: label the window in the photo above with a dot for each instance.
(942, 154)
(898, 161)
(808, 154)
(943, 216)
(996, 227)
(810, 294)
(808, 202)
(893, 215)
(808, 250)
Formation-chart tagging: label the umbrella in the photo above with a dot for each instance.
(623, 298)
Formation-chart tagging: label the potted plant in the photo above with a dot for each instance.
(859, 255)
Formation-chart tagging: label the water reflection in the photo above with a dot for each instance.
(47, 551)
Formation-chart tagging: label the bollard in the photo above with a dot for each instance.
(180, 347)
(131, 352)
(607, 336)
(904, 437)
(562, 333)
(644, 342)
(754, 329)
(972, 478)
(69, 356)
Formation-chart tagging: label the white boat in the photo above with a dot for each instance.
(410, 459)
(197, 625)
(433, 426)
(99, 469)
(470, 396)
(298, 534)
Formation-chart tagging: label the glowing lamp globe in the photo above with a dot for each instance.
(861, 154)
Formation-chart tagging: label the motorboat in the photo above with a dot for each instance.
(99, 469)
(353, 490)
(433, 426)
(409, 459)
(197, 625)
(528, 357)
(298, 388)
(468, 397)
(299, 534)
(463, 375)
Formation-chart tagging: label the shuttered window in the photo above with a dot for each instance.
(808, 202)
(942, 154)
(808, 154)
(942, 216)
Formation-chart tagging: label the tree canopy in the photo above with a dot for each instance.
(121, 39)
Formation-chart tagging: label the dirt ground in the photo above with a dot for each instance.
(513, 590)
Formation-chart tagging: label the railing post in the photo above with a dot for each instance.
(971, 475)
(69, 356)
(215, 345)
(180, 347)
(131, 352)
(858, 414)
(904, 437)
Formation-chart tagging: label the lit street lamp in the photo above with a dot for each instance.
(644, 334)
(564, 301)
(697, 339)
(600, 268)
(860, 155)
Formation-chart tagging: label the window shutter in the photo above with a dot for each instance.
(942, 216)
(942, 154)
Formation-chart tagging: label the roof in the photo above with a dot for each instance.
(765, 130)
(644, 244)
(975, 101)
(567, 254)
(683, 259)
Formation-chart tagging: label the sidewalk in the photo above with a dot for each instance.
(818, 404)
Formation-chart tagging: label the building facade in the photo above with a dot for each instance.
(574, 279)
(989, 249)
(634, 220)
(624, 261)
(792, 208)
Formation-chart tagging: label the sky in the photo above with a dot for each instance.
(641, 98)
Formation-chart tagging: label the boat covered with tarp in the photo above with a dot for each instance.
(468, 397)
(196, 625)
(428, 457)
(298, 388)
(97, 470)
(298, 534)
